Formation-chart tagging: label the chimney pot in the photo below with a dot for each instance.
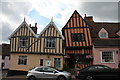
(85, 15)
(30, 25)
(35, 24)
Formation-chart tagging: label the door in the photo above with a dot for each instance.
(48, 63)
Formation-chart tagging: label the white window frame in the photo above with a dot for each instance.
(50, 39)
(107, 51)
(25, 42)
(26, 60)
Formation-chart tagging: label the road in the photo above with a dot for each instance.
(23, 79)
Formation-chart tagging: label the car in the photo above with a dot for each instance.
(48, 73)
(96, 72)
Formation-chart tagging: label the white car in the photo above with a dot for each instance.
(49, 73)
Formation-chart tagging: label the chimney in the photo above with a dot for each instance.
(30, 25)
(85, 15)
(88, 18)
(35, 24)
(34, 28)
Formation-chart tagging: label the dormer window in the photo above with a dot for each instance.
(103, 35)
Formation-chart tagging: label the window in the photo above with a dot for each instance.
(92, 68)
(50, 43)
(41, 62)
(39, 70)
(23, 42)
(107, 56)
(78, 37)
(57, 62)
(103, 35)
(22, 60)
(48, 70)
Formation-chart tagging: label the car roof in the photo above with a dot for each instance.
(94, 65)
(45, 67)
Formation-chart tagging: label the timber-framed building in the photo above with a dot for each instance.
(29, 49)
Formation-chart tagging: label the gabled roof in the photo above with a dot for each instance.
(23, 23)
(75, 12)
(51, 23)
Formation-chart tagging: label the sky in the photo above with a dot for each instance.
(12, 13)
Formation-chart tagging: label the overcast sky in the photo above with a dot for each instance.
(12, 13)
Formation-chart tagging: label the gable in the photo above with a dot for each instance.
(75, 20)
(77, 31)
(118, 33)
(23, 30)
(103, 33)
(51, 31)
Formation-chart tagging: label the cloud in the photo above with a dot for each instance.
(6, 31)
(13, 11)
(12, 14)
(101, 11)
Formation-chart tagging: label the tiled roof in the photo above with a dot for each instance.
(111, 28)
(106, 43)
(5, 50)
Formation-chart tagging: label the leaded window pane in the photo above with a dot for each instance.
(103, 35)
(50, 42)
(23, 42)
(107, 56)
(78, 37)
(22, 60)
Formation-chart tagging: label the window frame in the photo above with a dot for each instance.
(49, 40)
(107, 51)
(22, 63)
(21, 40)
(74, 37)
(42, 62)
(103, 33)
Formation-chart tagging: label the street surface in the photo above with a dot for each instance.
(3, 76)
(24, 79)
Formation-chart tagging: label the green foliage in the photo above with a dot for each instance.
(66, 67)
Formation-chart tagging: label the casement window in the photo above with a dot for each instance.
(22, 60)
(57, 62)
(78, 37)
(23, 42)
(103, 35)
(50, 43)
(107, 56)
(41, 62)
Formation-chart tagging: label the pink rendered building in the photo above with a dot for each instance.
(106, 42)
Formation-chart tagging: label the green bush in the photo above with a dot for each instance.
(66, 67)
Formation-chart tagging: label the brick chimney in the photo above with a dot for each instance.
(34, 28)
(88, 18)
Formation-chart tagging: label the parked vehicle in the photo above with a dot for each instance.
(95, 72)
(48, 72)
